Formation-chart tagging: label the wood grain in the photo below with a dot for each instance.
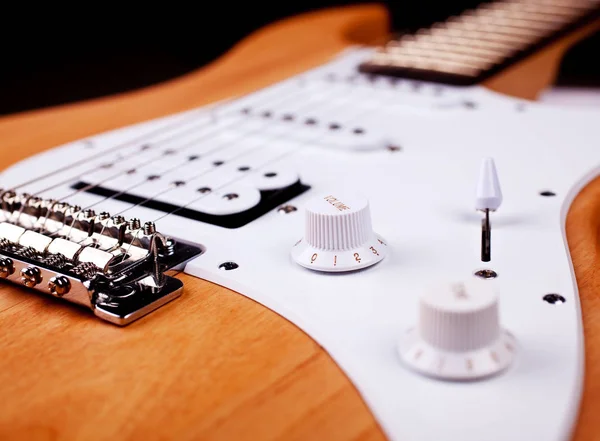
(212, 365)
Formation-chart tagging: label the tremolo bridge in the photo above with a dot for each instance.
(115, 267)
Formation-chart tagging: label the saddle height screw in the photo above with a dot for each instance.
(118, 220)
(103, 216)
(135, 223)
(59, 286)
(7, 267)
(31, 276)
(149, 228)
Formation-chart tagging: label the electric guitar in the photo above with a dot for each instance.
(348, 239)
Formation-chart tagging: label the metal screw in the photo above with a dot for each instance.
(7, 267)
(89, 213)
(59, 286)
(31, 276)
(118, 219)
(231, 196)
(547, 193)
(149, 228)
(103, 216)
(554, 298)
(394, 148)
(228, 266)
(134, 223)
(486, 274)
(170, 247)
(286, 209)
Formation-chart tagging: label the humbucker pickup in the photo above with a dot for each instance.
(113, 266)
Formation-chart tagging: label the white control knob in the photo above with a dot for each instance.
(338, 235)
(458, 336)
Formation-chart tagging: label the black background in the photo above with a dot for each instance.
(55, 55)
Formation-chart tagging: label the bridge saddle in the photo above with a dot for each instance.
(115, 267)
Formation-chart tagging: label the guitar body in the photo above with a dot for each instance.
(215, 365)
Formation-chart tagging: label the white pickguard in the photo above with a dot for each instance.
(422, 203)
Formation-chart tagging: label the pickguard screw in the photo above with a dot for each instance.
(149, 228)
(547, 193)
(59, 286)
(31, 276)
(286, 209)
(7, 267)
(228, 266)
(394, 148)
(554, 298)
(486, 274)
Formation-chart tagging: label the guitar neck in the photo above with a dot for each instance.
(479, 43)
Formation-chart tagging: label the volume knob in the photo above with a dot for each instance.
(338, 235)
(458, 336)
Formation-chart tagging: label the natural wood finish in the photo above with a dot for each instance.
(212, 365)
(529, 77)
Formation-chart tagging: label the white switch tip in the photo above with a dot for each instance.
(489, 194)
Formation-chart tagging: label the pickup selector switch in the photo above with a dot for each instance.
(338, 235)
(458, 335)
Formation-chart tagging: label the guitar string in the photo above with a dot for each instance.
(185, 117)
(298, 90)
(191, 130)
(191, 143)
(272, 160)
(219, 147)
(246, 152)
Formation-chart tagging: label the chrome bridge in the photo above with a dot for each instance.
(113, 266)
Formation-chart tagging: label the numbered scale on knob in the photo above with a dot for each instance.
(338, 235)
(458, 335)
